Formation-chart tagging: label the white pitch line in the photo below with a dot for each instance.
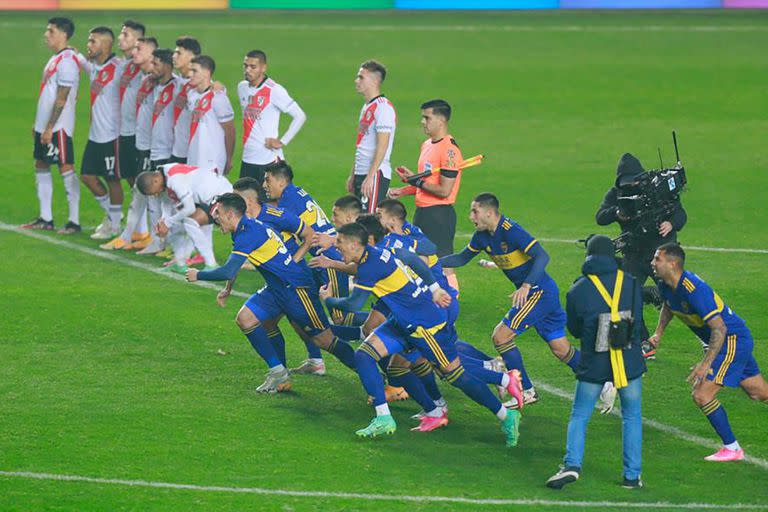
(381, 497)
(668, 429)
(442, 28)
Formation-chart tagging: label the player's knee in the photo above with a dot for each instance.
(246, 320)
(501, 336)
(701, 397)
(365, 353)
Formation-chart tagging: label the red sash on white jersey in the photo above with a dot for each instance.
(202, 106)
(252, 113)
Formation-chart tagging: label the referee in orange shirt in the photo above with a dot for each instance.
(436, 193)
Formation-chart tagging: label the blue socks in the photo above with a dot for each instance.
(572, 359)
(404, 378)
(365, 359)
(347, 333)
(343, 351)
(278, 343)
(716, 415)
(467, 349)
(513, 360)
(474, 389)
(313, 351)
(260, 342)
(427, 377)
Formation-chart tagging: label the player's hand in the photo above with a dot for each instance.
(227, 166)
(320, 262)
(366, 189)
(395, 193)
(350, 183)
(192, 275)
(442, 298)
(654, 340)
(520, 295)
(323, 240)
(404, 173)
(161, 228)
(665, 228)
(221, 298)
(324, 292)
(46, 137)
(698, 374)
(273, 143)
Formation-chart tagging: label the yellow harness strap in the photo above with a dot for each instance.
(617, 358)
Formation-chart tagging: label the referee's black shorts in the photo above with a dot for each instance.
(439, 225)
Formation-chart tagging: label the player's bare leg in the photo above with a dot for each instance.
(277, 378)
(756, 387)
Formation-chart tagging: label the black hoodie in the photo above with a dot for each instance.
(584, 304)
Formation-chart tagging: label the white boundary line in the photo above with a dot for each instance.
(445, 28)
(381, 497)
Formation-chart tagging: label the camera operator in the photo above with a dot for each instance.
(643, 233)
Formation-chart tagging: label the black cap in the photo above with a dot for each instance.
(600, 245)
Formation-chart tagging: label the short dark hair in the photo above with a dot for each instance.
(373, 226)
(163, 55)
(394, 207)
(439, 107)
(280, 169)
(257, 54)
(101, 29)
(375, 66)
(66, 25)
(148, 40)
(135, 25)
(231, 201)
(349, 202)
(673, 250)
(206, 62)
(252, 184)
(189, 43)
(144, 180)
(487, 200)
(354, 230)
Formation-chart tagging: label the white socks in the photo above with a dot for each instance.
(733, 446)
(44, 184)
(72, 186)
(203, 243)
(137, 216)
(181, 244)
(382, 410)
(505, 380)
(502, 413)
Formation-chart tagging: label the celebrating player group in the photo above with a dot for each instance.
(369, 286)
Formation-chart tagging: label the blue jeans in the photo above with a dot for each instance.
(587, 394)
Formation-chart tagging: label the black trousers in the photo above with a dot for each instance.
(638, 265)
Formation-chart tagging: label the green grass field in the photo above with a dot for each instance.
(110, 371)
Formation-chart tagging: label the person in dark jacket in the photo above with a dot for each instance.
(642, 245)
(587, 306)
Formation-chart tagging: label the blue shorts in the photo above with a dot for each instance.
(382, 308)
(438, 346)
(301, 306)
(735, 362)
(338, 284)
(541, 311)
(453, 309)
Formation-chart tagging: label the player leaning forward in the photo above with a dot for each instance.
(191, 190)
(55, 125)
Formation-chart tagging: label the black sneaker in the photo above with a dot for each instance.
(39, 223)
(563, 477)
(632, 484)
(69, 228)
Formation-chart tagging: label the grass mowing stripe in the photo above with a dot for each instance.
(667, 429)
(380, 497)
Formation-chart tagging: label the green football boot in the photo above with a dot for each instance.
(379, 426)
(511, 427)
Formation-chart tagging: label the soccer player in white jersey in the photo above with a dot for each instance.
(191, 191)
(372, 171)
(263, 100)
(212, 127)
(187, 48)
(162, 112)
(141, 106)
(55, 125)
(130, 81)
(101, 157)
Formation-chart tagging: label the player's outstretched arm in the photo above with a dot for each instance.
(459, 259)
(349, 304)
(226, 272)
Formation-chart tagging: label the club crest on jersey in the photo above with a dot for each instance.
(504, 247)
(684, 306)
(451, 158)
(428, 167)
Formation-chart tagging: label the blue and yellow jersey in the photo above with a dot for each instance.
(264, 248)
(380, 273)
(508, 247)
(695, 303)
(284, 222)
(410, 239)
(297, 201)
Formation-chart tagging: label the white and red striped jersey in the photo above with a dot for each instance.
(185, 183)
(182, 115)
(163, 120)
(206, 136)
(376, 116)
(105, 100)
(143, 107)
(130, 81)
(62, 70)
(262, 106)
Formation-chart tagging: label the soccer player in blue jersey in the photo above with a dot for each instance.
(292, 229)
(414, 321)
(290, 289)
(728, 359)
(536, 301)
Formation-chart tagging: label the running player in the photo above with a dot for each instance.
(728, 343)
(372, 171)
(263, 100)
(55, 125)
